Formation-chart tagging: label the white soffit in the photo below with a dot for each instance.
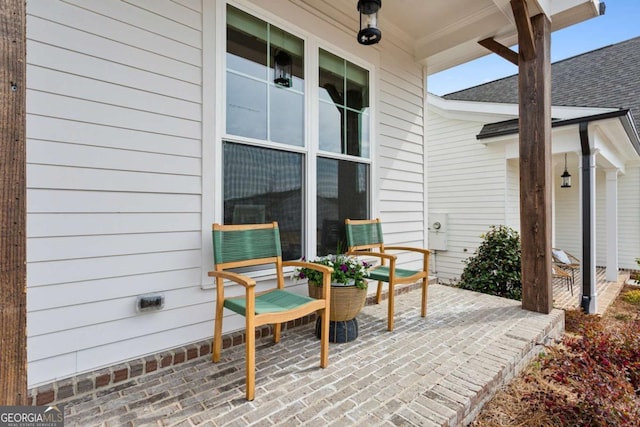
(444, 33)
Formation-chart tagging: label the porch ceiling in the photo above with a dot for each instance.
(445, 33)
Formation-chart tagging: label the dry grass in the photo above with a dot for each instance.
(522, 402)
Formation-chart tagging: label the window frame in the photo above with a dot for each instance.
(214, 121)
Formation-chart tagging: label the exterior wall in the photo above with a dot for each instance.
(114, 181)
(601, 218)
(401, 187)
(568, 221)
(116, 173)
(628, 217)
(513, 194)
(468, 181)
(483, 190)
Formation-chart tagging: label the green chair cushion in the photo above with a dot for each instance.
(382, 273)
(271, 302)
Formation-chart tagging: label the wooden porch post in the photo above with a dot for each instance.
(13, 300)
(535, 164)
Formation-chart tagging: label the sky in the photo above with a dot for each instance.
(620, 22)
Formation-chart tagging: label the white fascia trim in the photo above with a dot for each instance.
(464, 108)
(451, 107)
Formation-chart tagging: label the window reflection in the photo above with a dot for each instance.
(342, 193)
(256, 106)
(263, 185)
(344, 102)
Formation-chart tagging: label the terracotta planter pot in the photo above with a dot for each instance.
(346, 301)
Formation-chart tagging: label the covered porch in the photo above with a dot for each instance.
(433, 371)
(436, 371)
(106, 196)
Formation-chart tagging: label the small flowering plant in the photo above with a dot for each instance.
(347, 271)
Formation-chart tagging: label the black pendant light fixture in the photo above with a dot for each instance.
(369, 32)
(283, 66)
(566, 176)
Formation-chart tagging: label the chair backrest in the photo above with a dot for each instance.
(561, 256)
(364, 234)
(246, 245)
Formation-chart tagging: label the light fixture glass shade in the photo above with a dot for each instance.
(566, 176)
(369, 33)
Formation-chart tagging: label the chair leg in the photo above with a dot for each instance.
(217, 332)
(425, 291)
(250, 355)
(390, 310)
(379, 293)
(324, 339)
(277, 327)
(571, 284)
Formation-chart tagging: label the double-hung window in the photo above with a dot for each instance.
(268, 149)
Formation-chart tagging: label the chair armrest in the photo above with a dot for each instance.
(408, 248)
(312, 265)
(324, 269)
(245, 281)
(390, 257)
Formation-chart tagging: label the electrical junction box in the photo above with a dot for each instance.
(151, 302)
(438, 225)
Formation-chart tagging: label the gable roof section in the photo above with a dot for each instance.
(607, 77)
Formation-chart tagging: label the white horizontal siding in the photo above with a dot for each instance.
(467, 181)
(601, 218)
(400, 152)
(629, 218)
(93, 134)
(93, 224)
(72, 201)
(114, 181)
(513, 194)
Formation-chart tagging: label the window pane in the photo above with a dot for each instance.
(357, 87)
(330, 132)
(281, 41)
(342, 193)
(346, 86)
(246, 43)
(287, 116)
(331, 78)
(263, 185)
(246, 107)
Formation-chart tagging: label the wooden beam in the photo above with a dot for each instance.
(526, 45)
(13, 300)
(500, 49)
(534, 87)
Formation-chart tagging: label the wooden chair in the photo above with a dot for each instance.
(364, 237)
(237, 246)
(566, 261)
(564, 275)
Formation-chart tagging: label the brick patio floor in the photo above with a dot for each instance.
(433, 371)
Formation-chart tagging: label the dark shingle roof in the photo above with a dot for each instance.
(608, 77)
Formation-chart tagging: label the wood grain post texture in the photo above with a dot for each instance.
(13, 311)
(535, 170)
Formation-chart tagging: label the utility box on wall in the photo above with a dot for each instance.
(438, 231)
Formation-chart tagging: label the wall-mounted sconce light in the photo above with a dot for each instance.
(283, 67)
(566, 176)
(369, 32)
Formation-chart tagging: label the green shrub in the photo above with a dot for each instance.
(495, 266)
(632, 297)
